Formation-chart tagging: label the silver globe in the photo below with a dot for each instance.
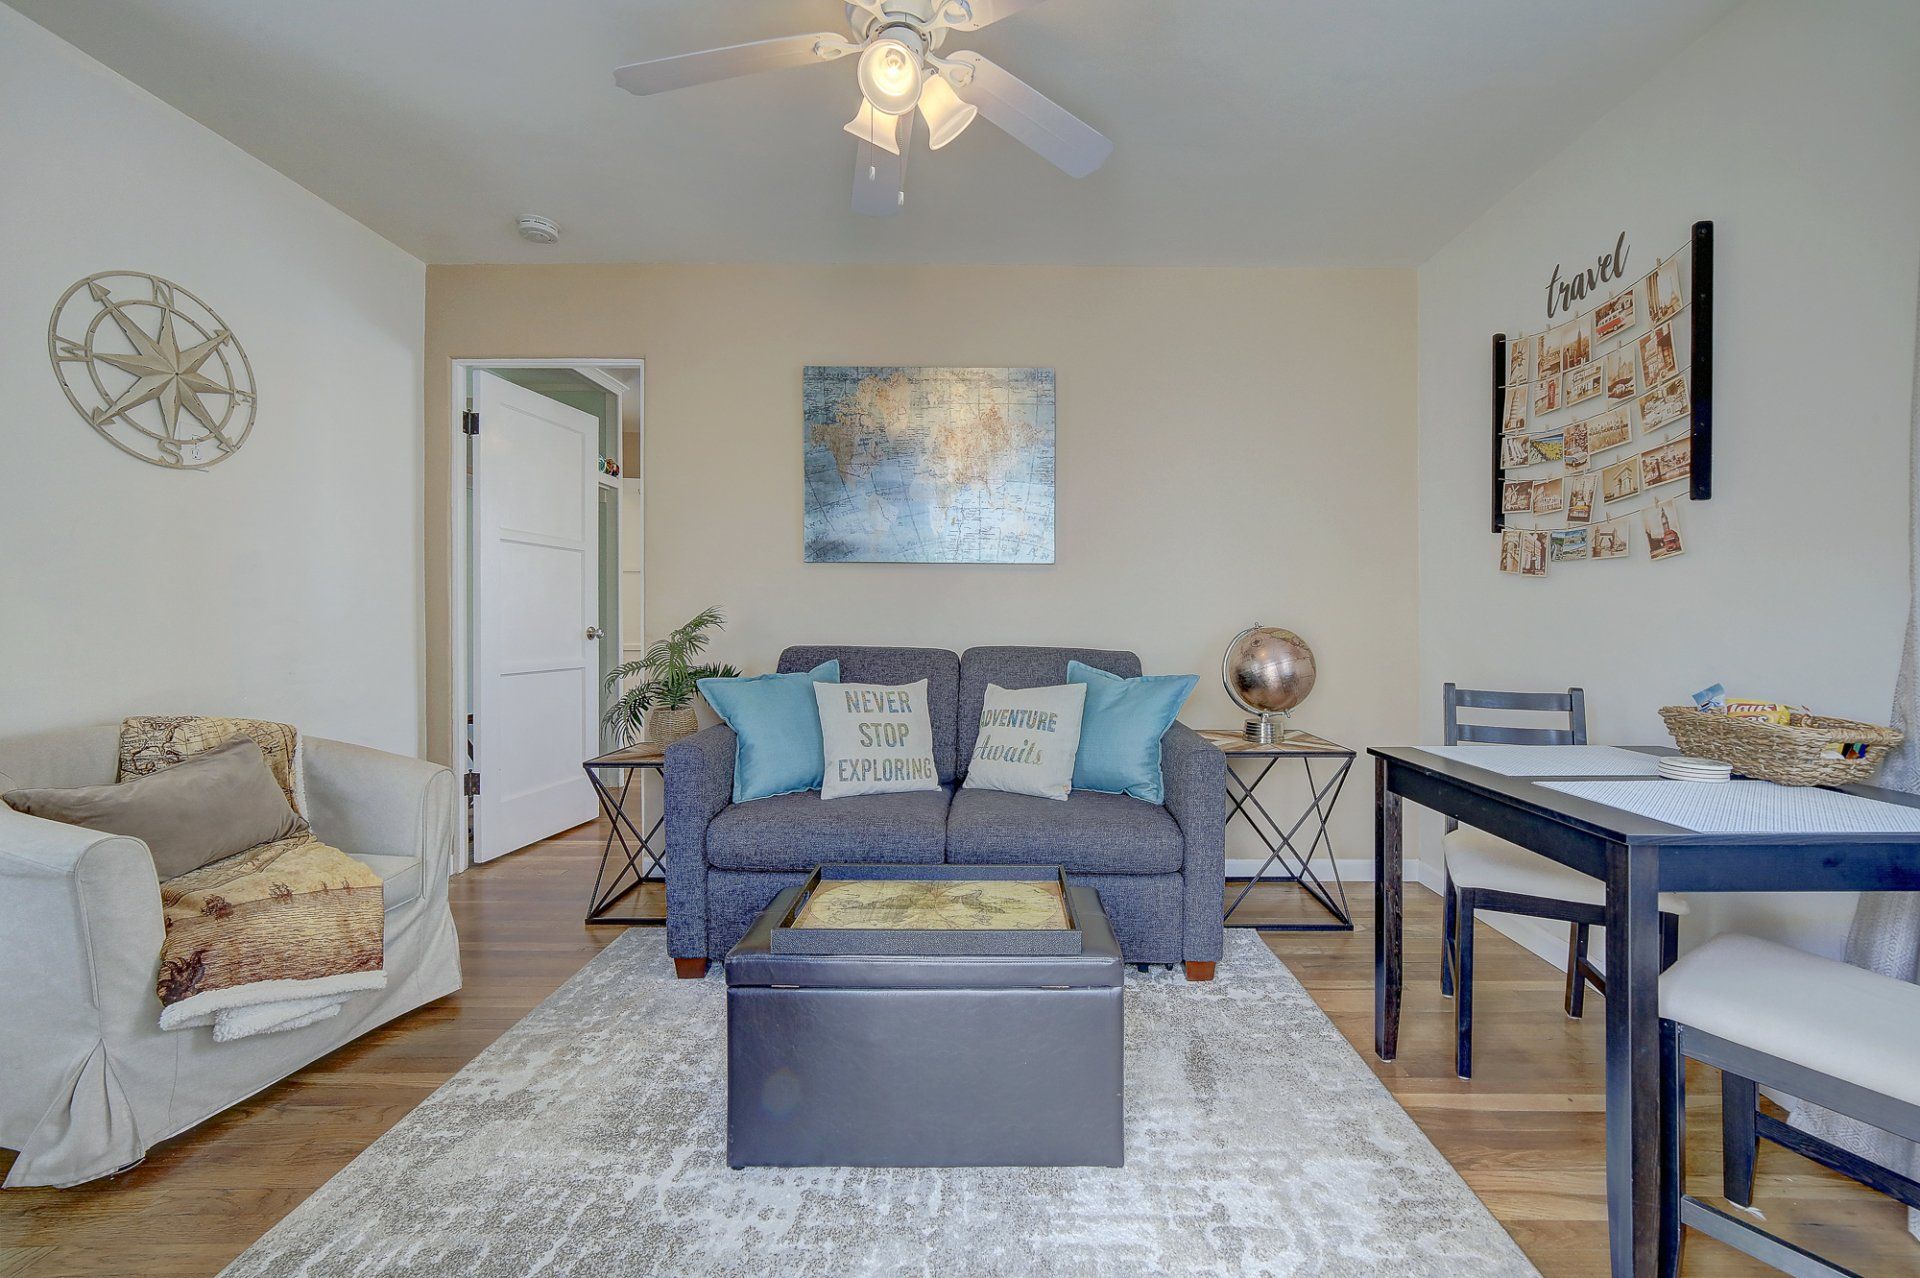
(1267, 671)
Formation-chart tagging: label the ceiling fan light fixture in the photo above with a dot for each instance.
(893, 69)
(947, 116)
(876, 127)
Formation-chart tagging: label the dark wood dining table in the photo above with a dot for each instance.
(1637, 858)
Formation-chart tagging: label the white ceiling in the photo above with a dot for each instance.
(1247, 132)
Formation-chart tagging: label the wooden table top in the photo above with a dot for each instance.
(641, 754)
(1232, 741)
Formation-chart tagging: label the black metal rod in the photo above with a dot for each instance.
(1700, 464)
(1499, 421)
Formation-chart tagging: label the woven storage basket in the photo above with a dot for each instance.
(1786, 753)
(664, 726)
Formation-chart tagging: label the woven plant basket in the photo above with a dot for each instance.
(664, 727)
(1786, 753)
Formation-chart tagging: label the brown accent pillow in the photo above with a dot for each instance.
(219, 802)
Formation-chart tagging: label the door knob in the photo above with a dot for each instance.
(595, 632)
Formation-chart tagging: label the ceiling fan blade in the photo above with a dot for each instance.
(971, 15)
(1043, 125)
(661, 75)
(880, 176)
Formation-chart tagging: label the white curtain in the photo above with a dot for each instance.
(1886, 927)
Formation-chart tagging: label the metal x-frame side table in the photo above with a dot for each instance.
(1296, 866)
(645, 859)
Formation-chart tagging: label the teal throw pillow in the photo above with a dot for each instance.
(778, 724)
(1121, 727)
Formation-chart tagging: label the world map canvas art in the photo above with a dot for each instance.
(929, 465)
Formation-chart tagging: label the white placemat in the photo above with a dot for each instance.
(1747, 807)
(1552, 761)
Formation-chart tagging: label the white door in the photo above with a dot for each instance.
(536, 660)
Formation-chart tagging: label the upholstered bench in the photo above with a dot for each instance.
(1827, 1032)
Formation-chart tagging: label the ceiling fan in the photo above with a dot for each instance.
(900, 68)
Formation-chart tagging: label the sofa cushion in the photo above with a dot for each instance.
(800, 831)
(1090, 833)
(893, 667)
(1024, 668)
(399, 878)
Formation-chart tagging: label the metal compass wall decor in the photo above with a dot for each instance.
(153, 369)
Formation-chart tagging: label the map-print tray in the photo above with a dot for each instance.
(824, 918)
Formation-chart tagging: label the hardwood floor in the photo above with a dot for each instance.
(1526, 1133)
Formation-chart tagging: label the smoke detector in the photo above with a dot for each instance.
(536, 229)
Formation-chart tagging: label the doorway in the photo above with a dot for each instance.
(547, 525)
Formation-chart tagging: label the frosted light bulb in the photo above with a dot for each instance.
(891, 71)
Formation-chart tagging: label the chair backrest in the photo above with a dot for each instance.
(1012, 667)
(1572, 703)
(939, 667)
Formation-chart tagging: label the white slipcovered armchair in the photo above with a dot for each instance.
(88, 1081)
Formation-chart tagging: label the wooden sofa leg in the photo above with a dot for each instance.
(1199, 971)
(689, 969)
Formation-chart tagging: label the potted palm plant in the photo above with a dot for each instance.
(660, 701)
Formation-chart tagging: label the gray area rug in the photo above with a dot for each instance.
(590, 1140)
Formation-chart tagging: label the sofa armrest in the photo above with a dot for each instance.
(699, 786)
(1194, 774)
(369, 802)
(80, 911)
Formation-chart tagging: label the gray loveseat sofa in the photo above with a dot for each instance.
(88, 1080)
(1159, 869)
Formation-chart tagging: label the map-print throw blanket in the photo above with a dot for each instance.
(273, 938)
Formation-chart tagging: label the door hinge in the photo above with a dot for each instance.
(469, 423)
(471, 783)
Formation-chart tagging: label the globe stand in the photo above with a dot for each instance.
(1267, 727)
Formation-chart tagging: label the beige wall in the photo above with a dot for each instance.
(1797, 135)
(1234, 446)
(283, 582)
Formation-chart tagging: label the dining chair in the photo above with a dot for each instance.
(1766, 1015)
(1484, 872)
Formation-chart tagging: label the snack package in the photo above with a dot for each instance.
(1712, 700)
(1763, 711)
(1844, 750)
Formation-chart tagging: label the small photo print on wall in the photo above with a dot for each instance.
(1661, 524)
(1574, 449)
(1546, 396)
(1547, 447)
(1546, 356)
(1523, 552)
(1611, 539)
(1620, 383)
(1580, 497)
(1547, 496)
(1666, 463)
(1568, 543)
(1576, 341)
(1664, 403)
(1657, 361)
(1583, 383)
(1614, 317)
(1518, 363)
(1609, 430)
(1513, 451)
(1620, 480)
(1516, 497)
(1515, 417)
(1663, 292)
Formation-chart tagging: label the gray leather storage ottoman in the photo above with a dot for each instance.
(893, 1061)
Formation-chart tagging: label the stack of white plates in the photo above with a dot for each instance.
(1685, 767)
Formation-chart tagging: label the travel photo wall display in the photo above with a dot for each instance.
(1602, 415)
